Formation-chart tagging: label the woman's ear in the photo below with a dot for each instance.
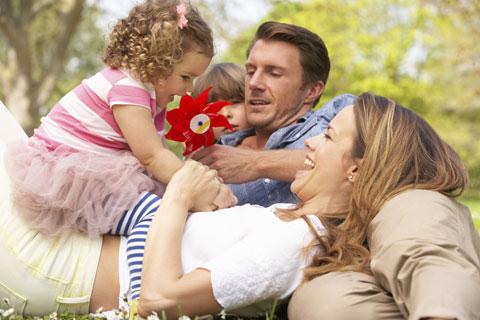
(314, 92)
(353, 171)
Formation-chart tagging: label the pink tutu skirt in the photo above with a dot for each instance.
(64, 189)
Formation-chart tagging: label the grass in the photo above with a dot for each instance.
(277, 312)
(474, 205)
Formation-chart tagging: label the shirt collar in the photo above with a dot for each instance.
(235, 138)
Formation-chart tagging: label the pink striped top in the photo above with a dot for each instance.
(83, 118)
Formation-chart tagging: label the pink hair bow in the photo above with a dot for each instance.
(181, 11)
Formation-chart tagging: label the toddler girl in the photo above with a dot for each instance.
(228, 83)
(85, 164)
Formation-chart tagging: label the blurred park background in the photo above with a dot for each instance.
(422, 53)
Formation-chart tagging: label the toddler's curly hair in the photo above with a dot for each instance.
(149, 42)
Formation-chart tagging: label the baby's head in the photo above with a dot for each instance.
(228, 83)
(157, 46)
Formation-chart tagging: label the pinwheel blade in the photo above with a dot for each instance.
(216, 106)
(217, 120)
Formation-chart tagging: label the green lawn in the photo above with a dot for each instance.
(474, 205)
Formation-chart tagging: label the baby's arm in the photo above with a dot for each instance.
(142, 137)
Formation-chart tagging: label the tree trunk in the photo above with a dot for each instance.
(28, 78)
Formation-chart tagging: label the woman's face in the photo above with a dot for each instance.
(329, 159)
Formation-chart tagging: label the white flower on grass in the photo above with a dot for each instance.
(98, 314)
(223, 314)
(153, 316)
(52, 316)
(7, 313)
(122, 313)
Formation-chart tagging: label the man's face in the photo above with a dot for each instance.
(274, 97)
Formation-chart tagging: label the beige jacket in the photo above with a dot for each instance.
(426, 252)
(425, 262)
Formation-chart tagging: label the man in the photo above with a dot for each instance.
(286, 71)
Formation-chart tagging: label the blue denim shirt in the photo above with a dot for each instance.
(267, 191)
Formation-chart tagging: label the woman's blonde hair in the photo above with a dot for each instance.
(227, 81)
(397, 150)
(149, 42)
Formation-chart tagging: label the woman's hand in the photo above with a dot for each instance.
(224, 199)
(195, 185)
(164, 286)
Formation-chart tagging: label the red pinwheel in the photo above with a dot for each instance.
(194, 120)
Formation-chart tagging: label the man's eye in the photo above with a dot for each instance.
(186, 78)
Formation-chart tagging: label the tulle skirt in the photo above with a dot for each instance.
(64, 189)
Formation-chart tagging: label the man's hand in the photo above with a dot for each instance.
(234, 165)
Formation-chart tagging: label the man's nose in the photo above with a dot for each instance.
(256, 81)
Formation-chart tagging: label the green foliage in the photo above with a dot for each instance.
(46, 47)
(474, 205)
(421, 54)
(85, 55)
(175, 147)
(277, 312)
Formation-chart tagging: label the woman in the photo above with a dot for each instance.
(336, 163)
(423, 257)
(249, 268)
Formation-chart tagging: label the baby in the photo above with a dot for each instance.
(228, 83)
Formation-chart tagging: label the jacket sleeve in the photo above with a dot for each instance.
(426, 251)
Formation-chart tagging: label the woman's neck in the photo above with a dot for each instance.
(326, 205)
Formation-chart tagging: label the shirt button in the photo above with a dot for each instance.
(267, 180)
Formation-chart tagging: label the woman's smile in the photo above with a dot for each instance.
(309, 162)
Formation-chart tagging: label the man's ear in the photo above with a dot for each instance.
(314, 92)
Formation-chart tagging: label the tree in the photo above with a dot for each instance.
(35, 50)
(369, 44)
(453, 66)
(226, 18)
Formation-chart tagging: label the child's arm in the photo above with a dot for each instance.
(142, 137)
